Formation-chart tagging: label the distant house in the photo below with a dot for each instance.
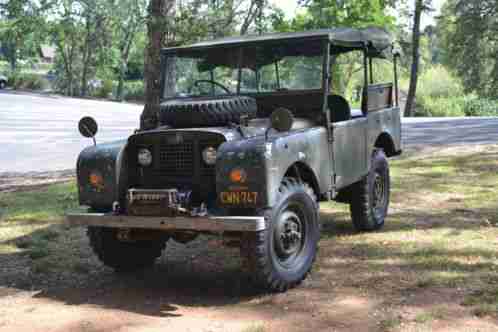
(47, 53)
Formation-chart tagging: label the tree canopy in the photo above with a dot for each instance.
(468, 33)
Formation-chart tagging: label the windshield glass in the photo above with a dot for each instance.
(255, 69)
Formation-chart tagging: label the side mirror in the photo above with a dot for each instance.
(88, 127)
(281, 119)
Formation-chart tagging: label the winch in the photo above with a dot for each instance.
(157, 202)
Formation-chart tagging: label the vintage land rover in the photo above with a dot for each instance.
(249, 138)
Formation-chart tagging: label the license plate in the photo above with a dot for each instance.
(239, 197)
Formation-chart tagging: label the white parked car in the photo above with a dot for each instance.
(3, 82)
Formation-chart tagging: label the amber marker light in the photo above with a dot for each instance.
(238, 175)
(96, 180)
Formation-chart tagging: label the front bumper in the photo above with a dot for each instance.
(210, 224)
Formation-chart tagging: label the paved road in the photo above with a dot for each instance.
(39, 133)
(421, 132)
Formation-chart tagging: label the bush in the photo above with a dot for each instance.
(439, 94)
(105, 90)
(441, 107)
(437, 82)
(134, 91)
(28, 81)
(480, 107)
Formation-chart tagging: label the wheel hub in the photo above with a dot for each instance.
(379, 193)
(288, 235)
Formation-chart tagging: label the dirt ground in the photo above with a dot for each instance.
(203, 289)
(372, 282)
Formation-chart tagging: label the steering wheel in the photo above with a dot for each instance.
(196, 84)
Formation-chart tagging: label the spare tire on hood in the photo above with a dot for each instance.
(206, 111)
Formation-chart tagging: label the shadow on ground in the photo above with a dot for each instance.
(204, 275)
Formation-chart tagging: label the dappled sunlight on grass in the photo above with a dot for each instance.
(442, 232)
(48, 203)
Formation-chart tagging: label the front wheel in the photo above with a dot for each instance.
(3, 84)
(281, 256)
(123, 256)
(370, 196)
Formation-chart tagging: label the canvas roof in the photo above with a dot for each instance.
(377, 41)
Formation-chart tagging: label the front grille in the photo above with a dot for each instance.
(177, 162)
(176, 159)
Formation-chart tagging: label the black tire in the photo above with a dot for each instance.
(370, 196)
(206, 111)
(3, 84)
(123, 256)
(276, 259)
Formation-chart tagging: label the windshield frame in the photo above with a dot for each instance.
(324, 52)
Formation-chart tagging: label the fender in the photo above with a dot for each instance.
(267, 161)
(108, 161)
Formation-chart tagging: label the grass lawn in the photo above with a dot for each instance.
(434, 266)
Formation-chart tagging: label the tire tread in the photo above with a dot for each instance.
(254, 246)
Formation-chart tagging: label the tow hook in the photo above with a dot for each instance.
(123, 234)
(116, 208)
(200, 211)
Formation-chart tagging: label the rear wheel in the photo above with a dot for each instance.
(123, 256)
(281, 256)
(3, 84)
(370, 196)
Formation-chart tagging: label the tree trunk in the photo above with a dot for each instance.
(412, 90)
(11, 54)
(157, 28)
(250, 17)
(86, 60)
(120, 89)
(123, 67)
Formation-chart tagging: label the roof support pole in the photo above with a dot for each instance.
(396, 91)
(326, 115)
(211, 77)
(370, 64)
(277, 73)
(239, 72)
(326, 80)
(364, 99)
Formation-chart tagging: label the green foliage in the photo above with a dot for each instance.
(481, 107)
(37, 243)
(440, 94)
(330, 13)
(45, 204)
(440, 106)
(437, 82)
(22, 28)
(359, 13)
(28, 81)
(105, 90)
(467, 33)
(134, 91)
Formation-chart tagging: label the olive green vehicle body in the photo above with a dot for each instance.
(328, 155)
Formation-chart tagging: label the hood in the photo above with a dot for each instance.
(256, 127)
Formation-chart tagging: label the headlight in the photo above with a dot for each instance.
(209, 155)
(144, 157)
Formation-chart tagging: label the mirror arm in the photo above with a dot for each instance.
(91, 135)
